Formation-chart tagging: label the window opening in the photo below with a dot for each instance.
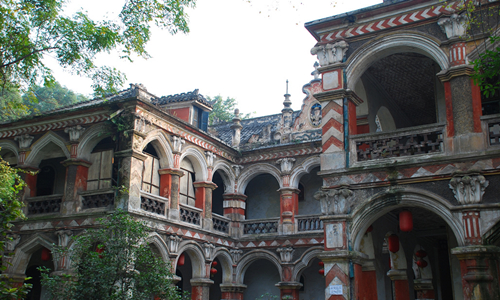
(186, 191)
(45, 181)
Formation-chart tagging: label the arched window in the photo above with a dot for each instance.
(101, 171)
(186, 188)
(150, 175)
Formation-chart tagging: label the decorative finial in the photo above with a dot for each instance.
(287, 86)
(315, 73)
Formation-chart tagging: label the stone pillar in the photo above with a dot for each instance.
(77, 171)
(204, 201)
(289, 207)
(462, 97)
(24, 141)
(289, 289)
(62, 263)
(30, 179)
(424, 289)
(234, 209)
(365, 279)
(400, 284)
(200, 288)
(331, 58)
(232, 291)
(130, 173)
(236, 127)
(479, 268)
(169, 188)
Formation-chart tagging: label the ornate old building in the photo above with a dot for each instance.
(382, 186)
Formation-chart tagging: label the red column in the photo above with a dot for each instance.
(234, 209)
(169, 188)
(204, 201)
(200, 288)
(365, 281)
(289, 199)
(400, 284)
(232, 291)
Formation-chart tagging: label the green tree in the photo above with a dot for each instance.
(30, 29)
(45, 98)
(10, 209)
(113, 261)
(223, 110)
(12, 105)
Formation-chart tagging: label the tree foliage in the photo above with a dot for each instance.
(113, 261)
(10, 209)
(223, 110)
(30, 29)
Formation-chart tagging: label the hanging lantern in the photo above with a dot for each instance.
(213, 271)
(181, 260)
(421, 263)
(99, 249)
(405, 221)
(393, 243)
(45, 254)
(370, 229)
(321, 272)
(321, 264)
(214, 264)
(421, 253)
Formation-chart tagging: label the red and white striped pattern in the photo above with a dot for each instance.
(276, 155)
(333, 128)
(400, 20)
(472, 229)
(337, 274)
(457, 54)
(53, 126)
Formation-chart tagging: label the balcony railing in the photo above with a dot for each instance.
(98, 198)
(154, 204)
(260, 226)
(190, 214)
(44, 204)
(220, 223)
(309, 223)
(424, 139)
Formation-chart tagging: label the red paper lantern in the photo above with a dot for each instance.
(99, 250)
(213, 271)
(370, 229)
(421, 263)
(214, 264)
(321, 272)
(421, 253)
(321, 264)
(181, 260)
(45, 254)
(405, 221)
(393, 243)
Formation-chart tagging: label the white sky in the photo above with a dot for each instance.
(235, 49)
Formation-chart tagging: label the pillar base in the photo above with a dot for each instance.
(232, 291)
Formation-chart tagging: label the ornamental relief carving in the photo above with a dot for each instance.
(334, 202)
(468, 189)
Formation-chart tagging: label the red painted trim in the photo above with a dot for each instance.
(401, 290)
(181, 113)
(31, 182)
(165, 185)
(353, 128)
(334, 141)
(477, 110)
(200, 198)
(450, 128)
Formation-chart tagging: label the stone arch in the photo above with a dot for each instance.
(226, 262)
(199, 162)
(162, 146)
(252, 256)
(24, 251)
(304, 168)
(400, 197)
(227, 175)
(196, 255)
(10, 146)
(385, 45)
(262, 168)
(91, 137)
(35, 156)
(155, 239)
(304, 261)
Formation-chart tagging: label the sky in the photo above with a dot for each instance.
(241, 49)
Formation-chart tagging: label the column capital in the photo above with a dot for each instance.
(232, 287)
(201, 282)
(289, 285)
(475, 251)
(131, 153)
(171, 171)
(241, 197)
(76, 162)
(205, 184)
(397, 275)
(468, 188)
(288, 190)
(452, 72)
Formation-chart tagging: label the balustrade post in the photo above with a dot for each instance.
(169, 188)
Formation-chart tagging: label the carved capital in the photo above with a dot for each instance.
(11, 242)
(334, 202)
(453, 26)
(64, 237)
(286, 254)
(208, 250)
(468, 189)
(173, 242)
(210, 158)
(236, 254)
(24, 140)
(237, 170)
(178, 143)
(74, 132)
(330, 53)
(286, 164)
